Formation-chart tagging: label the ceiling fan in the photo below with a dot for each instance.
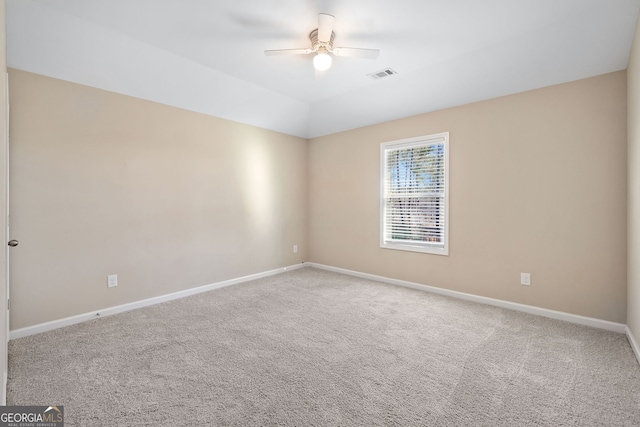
(322, 45)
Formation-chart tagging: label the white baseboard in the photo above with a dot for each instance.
(55, 324)
(634, 344)
(573, 318)
(567, 317)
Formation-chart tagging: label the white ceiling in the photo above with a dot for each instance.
(207, 55)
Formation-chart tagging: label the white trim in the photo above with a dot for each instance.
(573, 318)
(559, 315)
(438, 138)
(634, 344)
(5, 235)
(67, 321)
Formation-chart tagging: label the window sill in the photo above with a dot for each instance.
(415, 248)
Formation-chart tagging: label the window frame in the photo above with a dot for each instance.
(415, 246)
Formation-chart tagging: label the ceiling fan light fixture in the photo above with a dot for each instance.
(322, 61)
(322, 45)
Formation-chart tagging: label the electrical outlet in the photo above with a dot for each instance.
(112, 281)
(295, 249)
(525, 279)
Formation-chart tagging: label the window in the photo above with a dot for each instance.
(415, 194)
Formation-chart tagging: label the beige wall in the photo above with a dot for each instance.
(538, 185)
(167, 199)
(633, 122)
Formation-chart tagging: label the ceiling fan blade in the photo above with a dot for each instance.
(356, 52)
(325, 27)
(287, 52)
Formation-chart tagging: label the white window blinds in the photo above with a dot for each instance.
(414, 194)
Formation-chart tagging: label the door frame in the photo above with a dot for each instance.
(4, 204)
(4, 226)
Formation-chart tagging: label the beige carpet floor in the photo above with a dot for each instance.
(314, 348)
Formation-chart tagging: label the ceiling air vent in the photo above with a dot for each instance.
(387, 72)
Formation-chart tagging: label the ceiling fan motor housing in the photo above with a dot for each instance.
(317, 44)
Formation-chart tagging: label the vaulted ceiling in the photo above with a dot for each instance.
(208, 55)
